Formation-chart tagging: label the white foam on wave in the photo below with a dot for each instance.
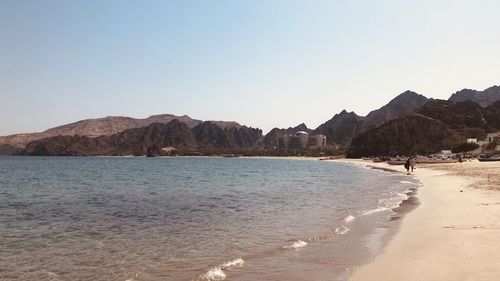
(389, 203)
(235, 262)
(349, 219)
(297, 244)
(341, 230)
(395, 200)
(404, 196)
(373, 211)
(407, 182)
(214, 274)
(217, 273)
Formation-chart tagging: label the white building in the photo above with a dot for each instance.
(471, 140)
(493, 137)
(446, 153)
(300, 140)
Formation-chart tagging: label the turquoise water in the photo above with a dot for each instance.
(105, 218)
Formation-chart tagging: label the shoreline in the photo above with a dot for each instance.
(451, 235)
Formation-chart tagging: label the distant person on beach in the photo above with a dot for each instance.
(412, 163)
(407, 165)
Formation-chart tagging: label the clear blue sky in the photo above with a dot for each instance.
(261, 63)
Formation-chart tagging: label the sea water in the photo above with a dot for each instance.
(188, 218)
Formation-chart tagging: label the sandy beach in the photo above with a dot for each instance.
(454, 234)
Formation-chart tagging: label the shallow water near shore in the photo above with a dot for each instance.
(105, 218)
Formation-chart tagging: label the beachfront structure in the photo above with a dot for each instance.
(300, 140)
(472, 140)
(493, 137)
(318, 140)
(168, 150)
(446, 152)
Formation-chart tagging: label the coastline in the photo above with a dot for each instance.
(452, 235)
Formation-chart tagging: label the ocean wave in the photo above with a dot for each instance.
(217, 273)
(373, 211)
(349, 219)
(341, 230)
(389, 203)
(395, 200)
(407, 182)
(297, 244)
(214, 274)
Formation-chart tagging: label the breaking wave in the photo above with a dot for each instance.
(341, 230)
(373, 211)
(217, 273)
(407, 182)
(297, 244)
(349, 219)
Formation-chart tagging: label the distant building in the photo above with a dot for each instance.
(446, 152)
(300, 140)
(471, 140)
(497, 148)
(493, 137)
(168, 150)
(318, 140)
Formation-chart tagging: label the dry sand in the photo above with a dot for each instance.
(454, 234)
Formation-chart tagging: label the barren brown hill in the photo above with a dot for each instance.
(346, 125)
(100, 127)
(437, 125)
(483, 98)
(205, 136)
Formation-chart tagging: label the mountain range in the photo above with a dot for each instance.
(345, 125)
(150, 140)
(110, 134)
(483, 98)
(99, 127)
(436, 125)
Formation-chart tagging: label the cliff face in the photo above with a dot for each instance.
(103, 127)
(6, 149)
(209, 135)
(455, 115)
(346, 125)
(415, 134)
(149, 139)
(483, 98)
(492, 116)
(404, 104)
(341, 128)
(436, 125)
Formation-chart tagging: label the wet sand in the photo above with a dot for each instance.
(454, 233)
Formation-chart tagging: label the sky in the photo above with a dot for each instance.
(262, 63)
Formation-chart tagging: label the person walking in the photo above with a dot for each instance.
(412, 163)
(407, 165)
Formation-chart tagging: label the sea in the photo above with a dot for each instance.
(193, 218)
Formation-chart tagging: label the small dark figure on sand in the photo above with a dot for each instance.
(410, 163)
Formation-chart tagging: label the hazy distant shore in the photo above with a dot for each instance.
(452, 235)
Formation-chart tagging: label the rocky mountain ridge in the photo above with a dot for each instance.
(483, 98)
(437, 125)
(341, 129)
(102, 127)
(346, 125)
(150, 140)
